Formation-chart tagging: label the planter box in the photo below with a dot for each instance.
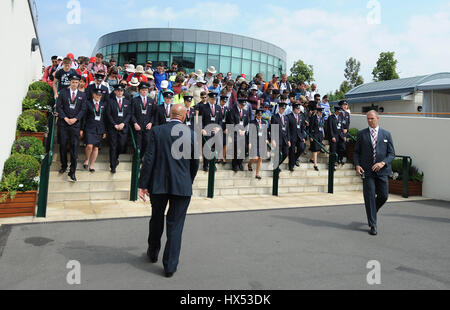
(396, 187)
(24, 204)
(39, 135)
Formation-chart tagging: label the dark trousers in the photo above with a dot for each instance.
(69, 138)
(376, 191)
(338, 147)
(284, 150)
(142, 138)
(235, 163)
(117, 145)
(176, 216)
(295, 151)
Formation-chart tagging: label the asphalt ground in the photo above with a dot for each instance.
(304, 248)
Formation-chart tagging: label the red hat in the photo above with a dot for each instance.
(71, 56)
(93, 59)
(243, 75)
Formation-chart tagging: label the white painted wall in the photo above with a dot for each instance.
(426, 141)
(16, 32)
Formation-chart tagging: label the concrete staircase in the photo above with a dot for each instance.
(102, 185)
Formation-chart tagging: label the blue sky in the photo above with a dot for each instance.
(321, 33)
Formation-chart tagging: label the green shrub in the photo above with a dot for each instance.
(20, 173)
(41, 86)
(29, 146)
(32, 120)
(414, 173)
(353, 132)
(37, 99)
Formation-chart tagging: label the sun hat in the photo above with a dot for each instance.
(134, 82)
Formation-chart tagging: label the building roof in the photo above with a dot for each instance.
(397, 89)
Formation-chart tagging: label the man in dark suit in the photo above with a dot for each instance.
(71, 108)
(162, 111)
(284, 136)
(374, 152)
(119, 112)
(297, 134)
(142, 116)
(210, 115)
(190, 111)
(99, 77)
(336, 135)
(239, 116)
(168, 180)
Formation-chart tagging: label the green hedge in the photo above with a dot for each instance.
(41, 86)
(414, 173)
(32, 120)
(37, 99)
(29, 146)
(20, 173)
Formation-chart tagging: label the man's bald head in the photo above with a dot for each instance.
(178, 112)
(373, 118)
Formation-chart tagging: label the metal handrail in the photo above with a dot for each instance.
(407, 163)
(332, 159)
(211, 171)
(135, 170)
(45, 169)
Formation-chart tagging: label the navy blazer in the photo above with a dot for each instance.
(335, 127)
(294, 132)
(160, 115)
(89, 124)
(363, 155)
(63, 107)
(112, 112)
(235, 118)
(190, 117)
(137, 116)
(207, 115)
(284, 134)
(161, 173)
(90, 89)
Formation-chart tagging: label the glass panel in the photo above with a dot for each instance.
(237, 52)
(132, 47)
(164, 46)
(152, 46)
(189, 47)
(225, 64)
(214, 49)
(115, 57)
(188, 62)
(115, 48)
(164, 58)
(201, 62)
(276, 62)
(247, 68)
(247, 54)
(255, 68)
(177, 47)
(108, 49)
(225, 51)
(270, 60)
(121, 60)
(214, 60)
(256, 56)
(202, 48)
(153, 57)
(263, 58)
(176, 57)
(142, 47)
(141, 58)
(263, 70)
(236, 64)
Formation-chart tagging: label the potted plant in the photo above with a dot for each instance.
(29, 146)
(350, 146)
(18, 187)
(37, 100)
(42, 87)
(32, 123)
(396, 180)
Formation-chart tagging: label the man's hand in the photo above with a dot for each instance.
(117, 127)
(104, 136)
(203, 132)
(378, 166)
(142, 193)
(56, 96)
(241, 132)
(81, 134)
(289, 143)
(121, 126)
(137, 127)
(360, 170)
(149, 126)
(334, 140)
(67, 120)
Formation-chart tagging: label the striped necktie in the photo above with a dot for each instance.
(374, 144)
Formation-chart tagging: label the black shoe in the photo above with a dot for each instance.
(62, 170)
(235, 169)
(291, 169)
(113, 170)
(91, 170)
(153, 258)
(258, 177)
(85, 167)
(297, 163)
(72, 177)
(205, 169)
(311, 161)
(373, 231)
(169, 274)
(241, 167)
(316, 168)
(250, 168)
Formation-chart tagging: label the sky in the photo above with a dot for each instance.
(321, 33)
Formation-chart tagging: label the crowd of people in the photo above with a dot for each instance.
(97, 100)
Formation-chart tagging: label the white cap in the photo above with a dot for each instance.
(164, 84)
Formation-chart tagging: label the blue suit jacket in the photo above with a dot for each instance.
(161, 173)
(363, 155)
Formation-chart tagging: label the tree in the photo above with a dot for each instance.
(351, 73)
(301, 72)
(385, 69)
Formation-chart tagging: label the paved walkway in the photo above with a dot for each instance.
(299, 248)
(89, 210)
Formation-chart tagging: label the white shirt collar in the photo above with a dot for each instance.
(119, 98)
(374, 129)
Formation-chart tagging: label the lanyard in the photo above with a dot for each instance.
(100, 110)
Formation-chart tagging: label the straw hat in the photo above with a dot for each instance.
(140, 69)
(134, 82)
(130, 68)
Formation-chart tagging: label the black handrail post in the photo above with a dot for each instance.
(276, 178)
(135, 169)
(211, 177)
(405, 177)
(331, 163)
